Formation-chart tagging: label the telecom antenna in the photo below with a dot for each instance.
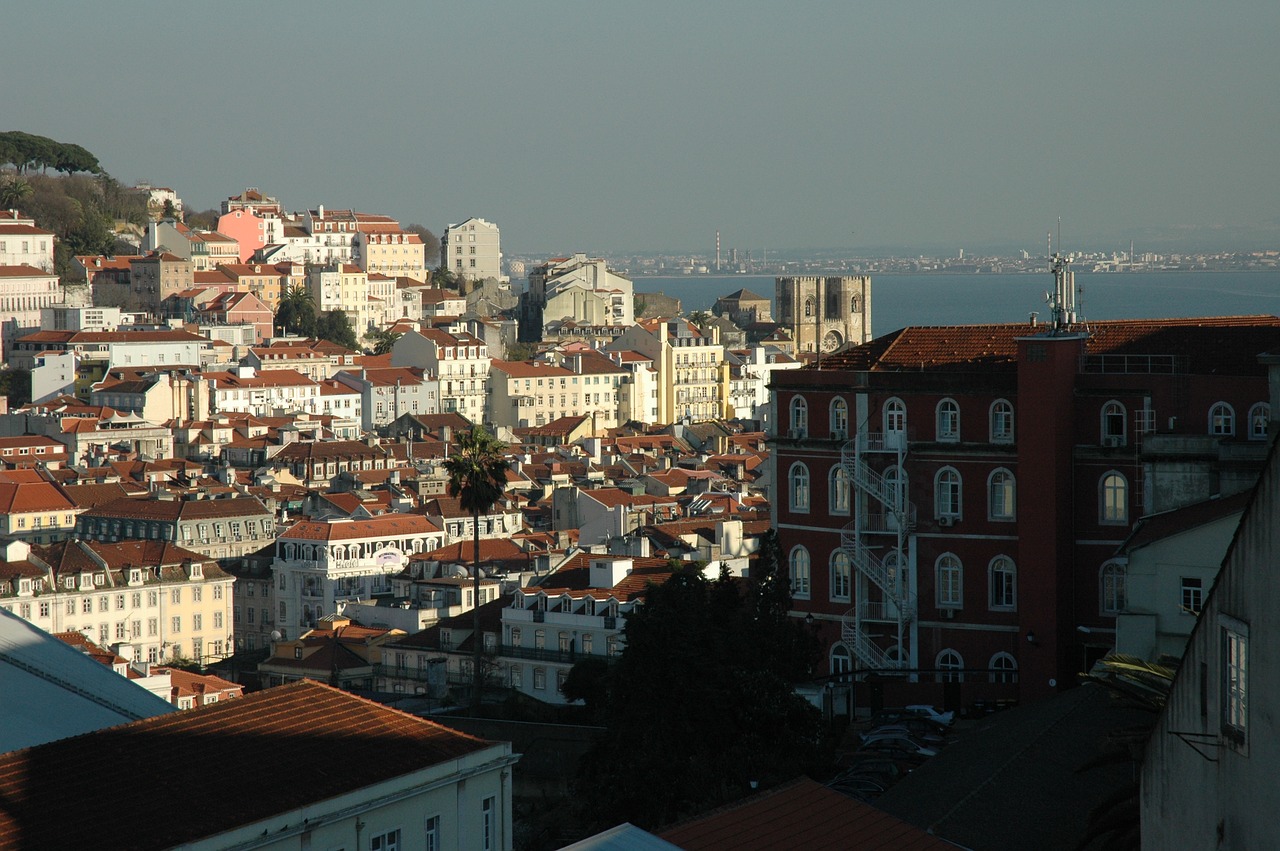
(1062, 304)
(717, 251)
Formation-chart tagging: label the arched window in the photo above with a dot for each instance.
(946, 494)
(1222, 420)
(899, 576)
(1001, 421)
(895, 417)
(950, 667)
(948, 421)
(841, 659)
(1113, 503)
(799, 479)
(950, 582)
(1113, 420)
(839, 490)
(1004, 668)
(1000, 495)
(799, 417)
(808, 307)
(840, 419)
(1259, 419)
(853, 305)
(1111, 588)
(841, 575)
(800, 574)
(1003, 582)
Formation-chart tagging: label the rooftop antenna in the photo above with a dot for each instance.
(1062, 304)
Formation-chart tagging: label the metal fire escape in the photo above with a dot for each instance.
(878, 627)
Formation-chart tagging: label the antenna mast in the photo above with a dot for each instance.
(1062, 304)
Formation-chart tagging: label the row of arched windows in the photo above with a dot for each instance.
(1113, 425)
(1222, 422)
(949, 664)
(1000, 419)
(1002, 583)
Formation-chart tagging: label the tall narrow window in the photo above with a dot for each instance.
(1112, 588)
(841, 576)
(840, 419)
(895, 418)
(1259, 419)
(1000, 495)
(1113, 424)
(489, 827)
(1004, 584)
(799, 479)
(1192, 595)
(950, 582)
(948, 421)
(1235, 681)
(800, 574)
(1114, 499)
(841, 659)
(839, 497)
(799, 417)
(947, 494)
(1222, 420)
(1001, 422)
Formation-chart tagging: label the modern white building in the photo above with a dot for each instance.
(387, 394)
(472, 249)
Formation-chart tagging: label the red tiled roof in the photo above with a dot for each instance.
(338, 742)
(24, 271)
(345, 530)
(801, 814)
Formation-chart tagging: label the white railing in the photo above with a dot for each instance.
(868, 653)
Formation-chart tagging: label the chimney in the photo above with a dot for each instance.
(608, 572)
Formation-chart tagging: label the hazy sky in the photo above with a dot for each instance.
(600, 127)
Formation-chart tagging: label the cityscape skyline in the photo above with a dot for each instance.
(613, 130)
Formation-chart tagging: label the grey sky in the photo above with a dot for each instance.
(648, 126)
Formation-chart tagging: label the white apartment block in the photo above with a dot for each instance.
(690, 381)
(578, 287)
(272, 393)
(460, 362)
(392, 252)
(387, 394)
(472, 249)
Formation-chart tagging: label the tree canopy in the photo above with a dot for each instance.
(701, 702)
(25, 151)
(297, 312)
(383, 339)
(334, 326)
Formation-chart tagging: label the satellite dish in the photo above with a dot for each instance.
(275, 635)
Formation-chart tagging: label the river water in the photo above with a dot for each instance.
(944, 299)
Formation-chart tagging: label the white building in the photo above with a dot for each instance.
(321, 564)
(243, 390)
(24, 244)
(748, 383)
(472, 249)
(460, 363)
(386, 394)
(688, 362)
(578, 287)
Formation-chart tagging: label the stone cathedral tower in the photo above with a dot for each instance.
(830, 312)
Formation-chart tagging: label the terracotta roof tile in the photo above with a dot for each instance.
(338, 742)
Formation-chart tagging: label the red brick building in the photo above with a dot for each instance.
(950, 500)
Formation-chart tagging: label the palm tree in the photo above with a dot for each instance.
(477, 477)
(13, 192)
(297, 310)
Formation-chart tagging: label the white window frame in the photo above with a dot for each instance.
(947, 421)
(839, 490)
(839, 419)
(1007, 599)
(1112, 587)
(1222, 420)
(1113, 499)
(1113, 424)
(948, 497)
(1002, 482)
(1000, 421)
(798, 487)
(1235, 681)
(799, 409)
(950, 666)
(841, 567)
(1004, 668)
(948, 572)
(1259, 421)
(800, 571)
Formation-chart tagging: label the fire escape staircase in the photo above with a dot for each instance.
(882, 515)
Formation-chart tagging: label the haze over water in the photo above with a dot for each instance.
(942, 299)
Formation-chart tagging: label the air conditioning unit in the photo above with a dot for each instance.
(1113, 440)
(946, 521)
(949, 614)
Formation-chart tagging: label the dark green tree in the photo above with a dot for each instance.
(383, 339)
(477, 477)
(297, 312)
(15, 385)
(334, 326)
(430, 240)
(694, 715)
(13, 192)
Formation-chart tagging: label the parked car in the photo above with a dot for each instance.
(911, 720)
(927, 711)
(927, 736)
(900, 747)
